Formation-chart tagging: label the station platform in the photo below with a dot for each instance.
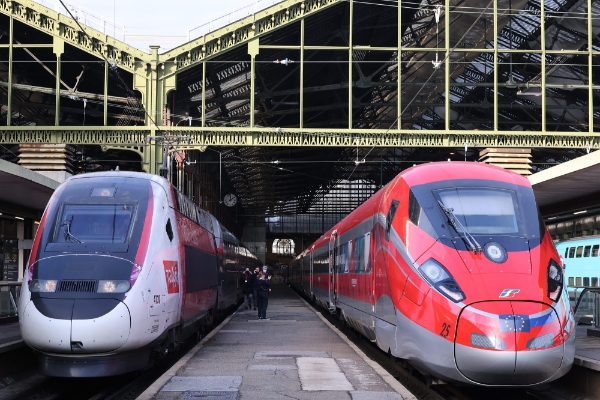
(296, 354)
(10, 337)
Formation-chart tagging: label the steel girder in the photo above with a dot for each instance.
(199, 138)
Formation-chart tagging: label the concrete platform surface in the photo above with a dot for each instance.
(296, 354)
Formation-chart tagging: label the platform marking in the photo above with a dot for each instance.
(281, 354)
(375, 396)
(263, 367)
(321, 374)
(203, 383)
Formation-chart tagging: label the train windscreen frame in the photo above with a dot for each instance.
(483, 210)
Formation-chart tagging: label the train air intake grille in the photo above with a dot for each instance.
(77, 286)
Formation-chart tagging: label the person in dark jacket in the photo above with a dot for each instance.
(247, 284)
(255, 287)
(264, 287)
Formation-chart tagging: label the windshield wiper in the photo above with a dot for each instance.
(460, 229)
(68, 235)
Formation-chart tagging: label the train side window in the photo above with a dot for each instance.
(366, 251)
(359, 261)
(566, 252)
(586, 281)
(595, 250)
(586, 251)
(414, 209)
(571, 252)
(169, 230)
(595, 281)
(579, 251)
(343, 258)
(578, 281)
(571, 281)
(390, 218)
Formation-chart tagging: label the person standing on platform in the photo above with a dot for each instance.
(247, 284)
(264, 287)
(255, 287)
(268, 274)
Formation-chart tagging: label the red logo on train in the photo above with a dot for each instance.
(172, 276)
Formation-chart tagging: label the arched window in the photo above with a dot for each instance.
(284, 247)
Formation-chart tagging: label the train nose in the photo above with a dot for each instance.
(500, 342)
(76, 326)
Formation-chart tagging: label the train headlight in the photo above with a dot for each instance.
(439, 277)
(113, 286)
(43, 286)
(555, 280)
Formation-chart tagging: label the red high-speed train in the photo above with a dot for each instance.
(450, 267)
(123, 266)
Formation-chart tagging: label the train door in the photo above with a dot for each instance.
(332, 271)
(310, 274)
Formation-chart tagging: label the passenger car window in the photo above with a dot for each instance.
(571, 252)
(571, 281)
(566, 252)
(586, 251)
(579, 251)
(586, 281)
(594, 281)
(359, 261)
(595, 250)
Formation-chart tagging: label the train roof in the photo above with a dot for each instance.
(458, 170)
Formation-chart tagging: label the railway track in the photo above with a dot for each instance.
(28, 384)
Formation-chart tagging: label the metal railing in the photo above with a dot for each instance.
(9, 298)
(87, 17)
(585, 301)
(220, 21)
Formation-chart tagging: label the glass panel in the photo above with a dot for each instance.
(586, 251)
(579, 251)
(595, 250)
(586, 281)
(94, 223)
(571, 281)
(578, 281)
(484, 211)
(586, 306)
(571, 252)
(594, 281)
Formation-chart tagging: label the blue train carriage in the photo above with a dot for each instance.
(582, 260)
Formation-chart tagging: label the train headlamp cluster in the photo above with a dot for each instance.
(43, 286)
(113, 286)
(439, 277)
(555, 280)
(104, 286)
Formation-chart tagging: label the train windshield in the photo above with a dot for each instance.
(483, 210)
(95, 223)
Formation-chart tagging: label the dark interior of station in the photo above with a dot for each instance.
(302, 191)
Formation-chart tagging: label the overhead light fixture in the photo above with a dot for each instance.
(535, 94)
(579, 212)
(36, 222)
(552, 217)
(21, 218)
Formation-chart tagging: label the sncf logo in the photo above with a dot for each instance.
(509, 293)
(172, 276)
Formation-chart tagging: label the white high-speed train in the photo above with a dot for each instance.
(123, 265)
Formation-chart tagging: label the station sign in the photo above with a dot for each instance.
(10, 260)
